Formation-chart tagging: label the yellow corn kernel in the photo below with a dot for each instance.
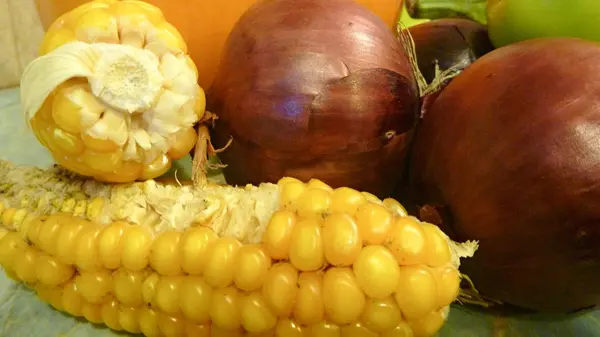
(99, 145)
(11, 245)
(395, 206)
(128, 286)
(313, 203)
(346, 200)
(428, 325)
(448, 280)
(165, 256)
(407, 241)
(195, 299)
(72, 302)
(318, 184)
(182, 143)
(371, 198)
(129, 319)
(110, 244)
(309, 307)
(96, 287)
(66, 240)
(110, 315)
(149, 322)
(357, 329)
(343, 298)
(306, 247)
(92, 312)
(128, 172)
(48, 234)
(86, 253)
(200, 102)
(195, 245)
(167, 295)
(438, 251)
(291, 191)
(103, 162)
(374, 223)
(324, 329)
(216, 331)
(51, 295)
(51, 272)
(377, 272)
(25, 264)
(149, 289)
(417, 292)
(224, 309)
(288, 328)
(137, 243)
(197, 330)
(279, 288)
(251, 267)
(381, 315)
(156, 168)
(278, 236)
(256, 316)
(341, 239)
(220, 262)
(401, 330)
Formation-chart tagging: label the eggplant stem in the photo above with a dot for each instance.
(439, 9)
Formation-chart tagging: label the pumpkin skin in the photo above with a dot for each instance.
(205, 24)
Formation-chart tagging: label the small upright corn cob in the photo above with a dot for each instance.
(286, 259)
(113, 95)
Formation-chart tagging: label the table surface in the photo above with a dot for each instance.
(23, 315)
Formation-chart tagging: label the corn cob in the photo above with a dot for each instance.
(285, 259)
(113, 94)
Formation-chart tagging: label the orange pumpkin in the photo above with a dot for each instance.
(204, 24)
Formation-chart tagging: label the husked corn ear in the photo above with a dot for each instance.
(168, 260)
(113, 94)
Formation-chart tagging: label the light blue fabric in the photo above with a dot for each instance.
(23, 315)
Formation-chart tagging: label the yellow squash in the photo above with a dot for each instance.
(113, 94)
(287, 259)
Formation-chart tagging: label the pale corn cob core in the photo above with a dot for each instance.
(286, 259)
(114, 95)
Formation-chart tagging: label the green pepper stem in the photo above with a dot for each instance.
(437, 9)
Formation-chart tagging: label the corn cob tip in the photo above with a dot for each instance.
(285, 259)
(113, 94)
